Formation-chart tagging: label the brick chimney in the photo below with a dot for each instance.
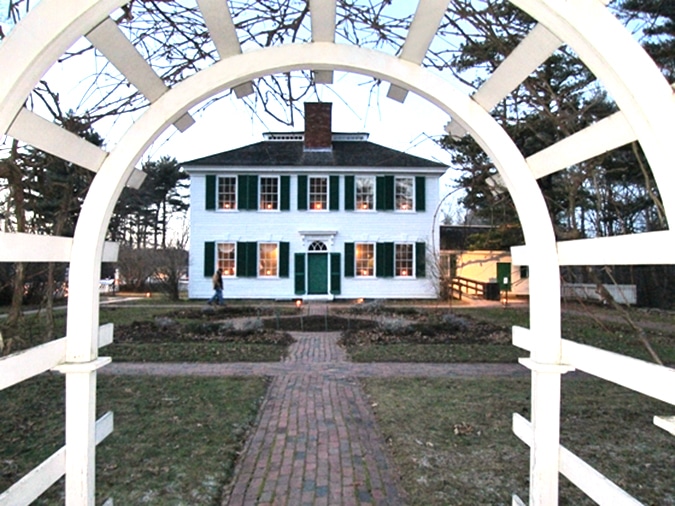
(318, 126)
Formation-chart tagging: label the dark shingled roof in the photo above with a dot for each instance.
(291, 153)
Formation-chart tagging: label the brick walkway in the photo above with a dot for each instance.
(316, 441)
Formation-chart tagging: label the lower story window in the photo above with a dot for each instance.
(365, 259)
(227, 258)
(404, 260)
(268, 256)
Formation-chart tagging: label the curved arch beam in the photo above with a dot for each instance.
(47, 32)
(315, 56)
(629, 75)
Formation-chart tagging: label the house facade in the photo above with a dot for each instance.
(313, 215)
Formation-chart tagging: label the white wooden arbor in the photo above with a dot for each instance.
(646, 114)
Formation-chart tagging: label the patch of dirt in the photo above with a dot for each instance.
(152, 332)
(316, 323)
(447, 329)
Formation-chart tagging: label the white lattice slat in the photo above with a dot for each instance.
(119, 51)
(653, 248)
(532, 51)
(37, 481)
(423, 28)
(34, 484)
(593, 483)
(32, 129)
(25, 364)
(645, 377)
(323, 30)
(667, 423)
(218, 20)
(21, 247)
(601, 137)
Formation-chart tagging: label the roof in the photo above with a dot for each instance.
(290, 153)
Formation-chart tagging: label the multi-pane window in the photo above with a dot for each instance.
(227, 193)
(227, 257)
(268, 259)
(364, 256)
(365, 193)
(269, 193)
(318, 193)
(404, 260)
(403, 194)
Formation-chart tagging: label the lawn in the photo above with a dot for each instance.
(453, 445)
(175, 440)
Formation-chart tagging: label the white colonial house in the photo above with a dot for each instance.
(314, 215)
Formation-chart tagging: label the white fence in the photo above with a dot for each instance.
(623, 294)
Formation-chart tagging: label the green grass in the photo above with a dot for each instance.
(452, 442)
(175, 440)
(435, 353)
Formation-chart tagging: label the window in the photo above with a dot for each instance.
(269, 193)
(318, 193)
(227, 258)
(268, 260)
(404, 260)
(227, 193)
(365, 259)
(404, 193)
(524, 272)
(365, 193)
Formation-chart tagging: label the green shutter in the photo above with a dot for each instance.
(349, 193)
(335, 273)
(380, 191)
(349, 260)
(384, 259)
(285, 198)
(241, 260)
(252, 259)
(242, 193)
(420, 259)
(302, 193)
(389, 189)
(334, 193)
(420, 193)
(252, 193)
(210, 193)
(209, 259)
(283, 259)
(299, 273)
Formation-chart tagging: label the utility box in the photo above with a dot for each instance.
(504, 275)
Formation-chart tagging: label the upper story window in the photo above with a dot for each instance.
(268, 259)
(404, 192)
(404, 260)
(318, 193)
(227, 259)
(269, 193)
(365, 193)
(227, 193)
(364, 258)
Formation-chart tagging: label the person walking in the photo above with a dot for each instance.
(218, 288)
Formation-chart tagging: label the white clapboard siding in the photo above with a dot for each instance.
(593, 483)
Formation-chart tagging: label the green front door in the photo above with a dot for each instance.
(317, 267)
(504, 275)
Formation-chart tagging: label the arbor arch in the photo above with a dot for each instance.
(646, 114)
